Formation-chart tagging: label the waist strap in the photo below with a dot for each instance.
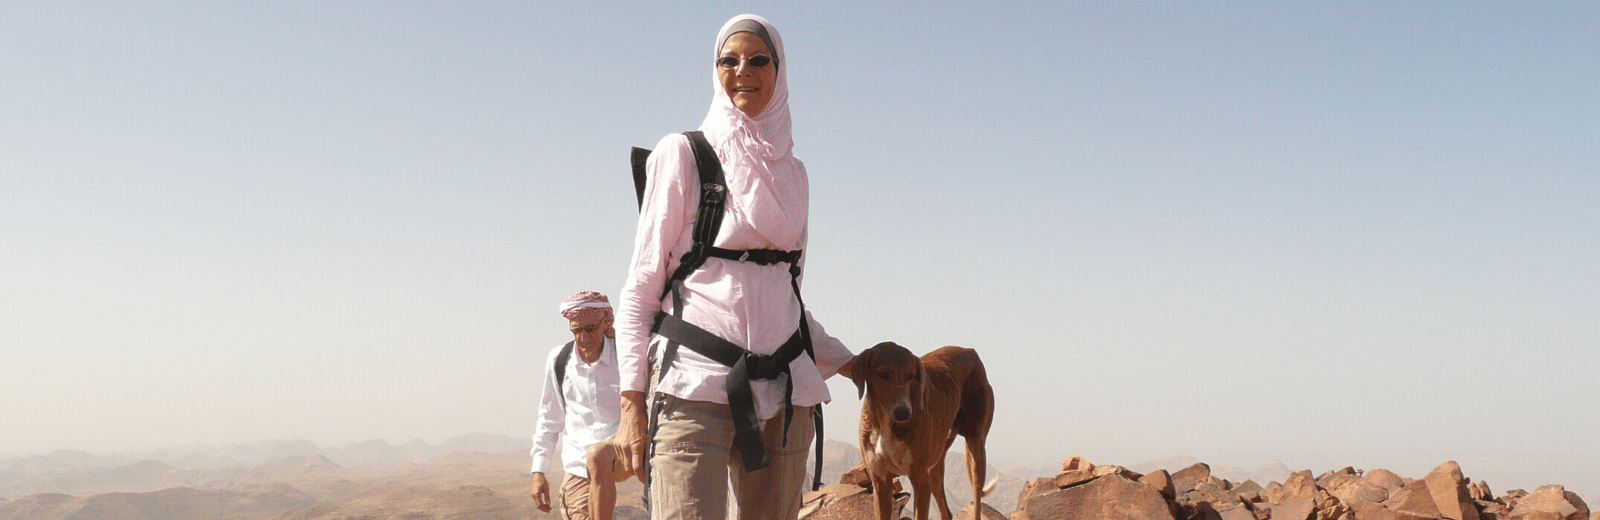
(746, 366)
(754, 256)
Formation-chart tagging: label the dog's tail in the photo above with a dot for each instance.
(988, 488)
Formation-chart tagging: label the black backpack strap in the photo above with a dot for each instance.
(708, 217)
(561, 369)
(707, 222)
(638, 160)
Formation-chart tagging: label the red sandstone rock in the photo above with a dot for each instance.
(857, 476)
(1371, 511)
(1299, 484)
(1349, 488)
(845, 502)
(1112, 497)
(1480, 491)
(989, 513)
(1345, 471)
(1297, 508)
(1449, 489)
(1198, 470)
(1072, 478)
(1076, 463)
(1162, 481)
(1414, 499)
(1552, 502)
(1248, 487)
(1101, 471)
(1184, 479)
(1490, 510)
(1331, 508)
(1213, 490)
(1385, 479)
(1038, 486)
(1236, 513)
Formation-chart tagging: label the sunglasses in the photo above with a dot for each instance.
(757, 61)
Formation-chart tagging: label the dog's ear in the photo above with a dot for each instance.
(857, 369)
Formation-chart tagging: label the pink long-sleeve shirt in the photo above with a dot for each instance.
(750, 305)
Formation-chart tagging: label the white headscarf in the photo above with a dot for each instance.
(767, 183)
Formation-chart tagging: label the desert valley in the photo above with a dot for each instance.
(482, 476)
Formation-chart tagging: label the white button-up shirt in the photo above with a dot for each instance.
(589, 415)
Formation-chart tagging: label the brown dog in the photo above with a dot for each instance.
(911, 412)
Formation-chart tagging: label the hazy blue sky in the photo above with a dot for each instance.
(1332, 233)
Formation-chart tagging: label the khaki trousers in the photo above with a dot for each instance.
(575, 498)
(695, 458)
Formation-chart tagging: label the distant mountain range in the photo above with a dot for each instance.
(374, 455)
(279, 479)
(472, 476)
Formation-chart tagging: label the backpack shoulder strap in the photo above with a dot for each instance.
(561, 369)
(708, 217)
(638, 160)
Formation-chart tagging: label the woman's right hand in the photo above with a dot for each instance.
(630, 440)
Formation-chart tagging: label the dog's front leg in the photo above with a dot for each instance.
(935, 480)
(882, 492)
(919, 492)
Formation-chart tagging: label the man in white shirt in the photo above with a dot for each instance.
(580, 405)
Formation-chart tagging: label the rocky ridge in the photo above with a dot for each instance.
(486, 478)
(1083, 491)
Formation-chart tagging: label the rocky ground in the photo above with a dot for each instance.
(1084, 491)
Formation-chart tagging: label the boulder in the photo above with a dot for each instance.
(1038, 486)
(857, 476)
(845, 502)
(1076, 463)
(1162, 481)
(1511, 497)
(1332, 508)
(1112, 497)
(1247, 487)
(1300, 484)
(989, 513)
(1185, 479)
(1480, 491)
(1198, 470)
(1350, 488)
(1196, 511)
(1236, 513)
(1385, 479)
(1213, 490)
(1101, 471)
(1371, 511)
(1552, 502)
(1297, 508)
(1414, 499)
(1492, 510)
(1068, 479)
(1449, 489)
(1345, 471)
